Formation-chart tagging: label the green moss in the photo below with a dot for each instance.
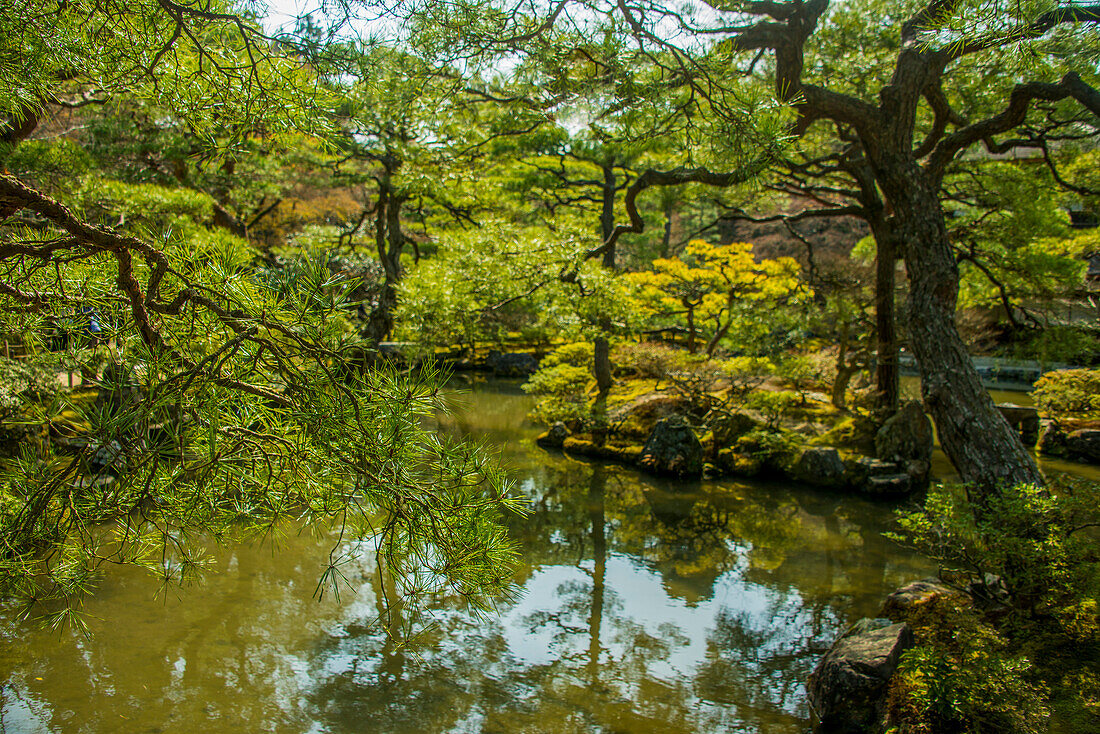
(854, 432)
(741, 465)
(626, 453)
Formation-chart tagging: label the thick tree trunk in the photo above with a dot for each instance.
(389, 242)
(973, 433)
(380, 321)
(887, 373)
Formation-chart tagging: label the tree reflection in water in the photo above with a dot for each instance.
(648, 606)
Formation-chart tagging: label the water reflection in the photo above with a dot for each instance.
(648, 606)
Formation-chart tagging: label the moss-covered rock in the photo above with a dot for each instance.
(821, 467)
(777, 450)
(555, 437)
(672, 449)
(739, 465)
(853, 432)
(625, 453)
(636, 418)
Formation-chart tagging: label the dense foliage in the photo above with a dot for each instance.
(1022, 645)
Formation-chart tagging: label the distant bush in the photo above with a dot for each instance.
(1069, 392)
(22, 381)
(560, 385)
(647, 359)
(1076, 344)
(772, 404)
(716, 386)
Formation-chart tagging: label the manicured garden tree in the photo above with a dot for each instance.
(716, 288)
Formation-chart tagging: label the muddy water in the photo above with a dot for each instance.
(647, 606)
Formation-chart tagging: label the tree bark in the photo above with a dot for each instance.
(601, 349)
(389, 241)
(887, 372)
(973, 433)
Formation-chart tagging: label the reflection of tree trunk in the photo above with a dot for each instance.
(599, 564)
(825, 583)
(390, 608)
(874, 561)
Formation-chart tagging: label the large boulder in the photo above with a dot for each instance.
(909, 599)
(1084, 445)
(888, 485)
(672, 449)
(1080, 445)
(636, 418)
(821, 467)
(905, 436)
(886, 479)
(512, 364)
(730, 427)
(848, 688)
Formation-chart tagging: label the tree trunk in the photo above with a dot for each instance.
(666, 236)
(601, 358)
(844, 371)
(691, 330)
(974, 435)
(389, 241)
(887, 372)
(601, 349)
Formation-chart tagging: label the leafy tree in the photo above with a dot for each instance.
(233, 401)
(717, 288)
(931, 82)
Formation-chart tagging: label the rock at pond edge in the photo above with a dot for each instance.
(848, 688)
(672, 449)
(555, 437)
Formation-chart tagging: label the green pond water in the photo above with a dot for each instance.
(647, 606)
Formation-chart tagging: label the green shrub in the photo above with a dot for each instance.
(21, 381)
(1030, 558)
(775, 448)
(773, 404)
(964, 677)
(561, 384)
(1069, 392)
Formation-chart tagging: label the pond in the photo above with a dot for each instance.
(647, 606)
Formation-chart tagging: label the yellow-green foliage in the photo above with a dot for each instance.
(772, 404)
(963, 676)
(854, 432)
(49, 158)
(1072, 393)
(560, 384)
(713, 285)
(147, 203)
